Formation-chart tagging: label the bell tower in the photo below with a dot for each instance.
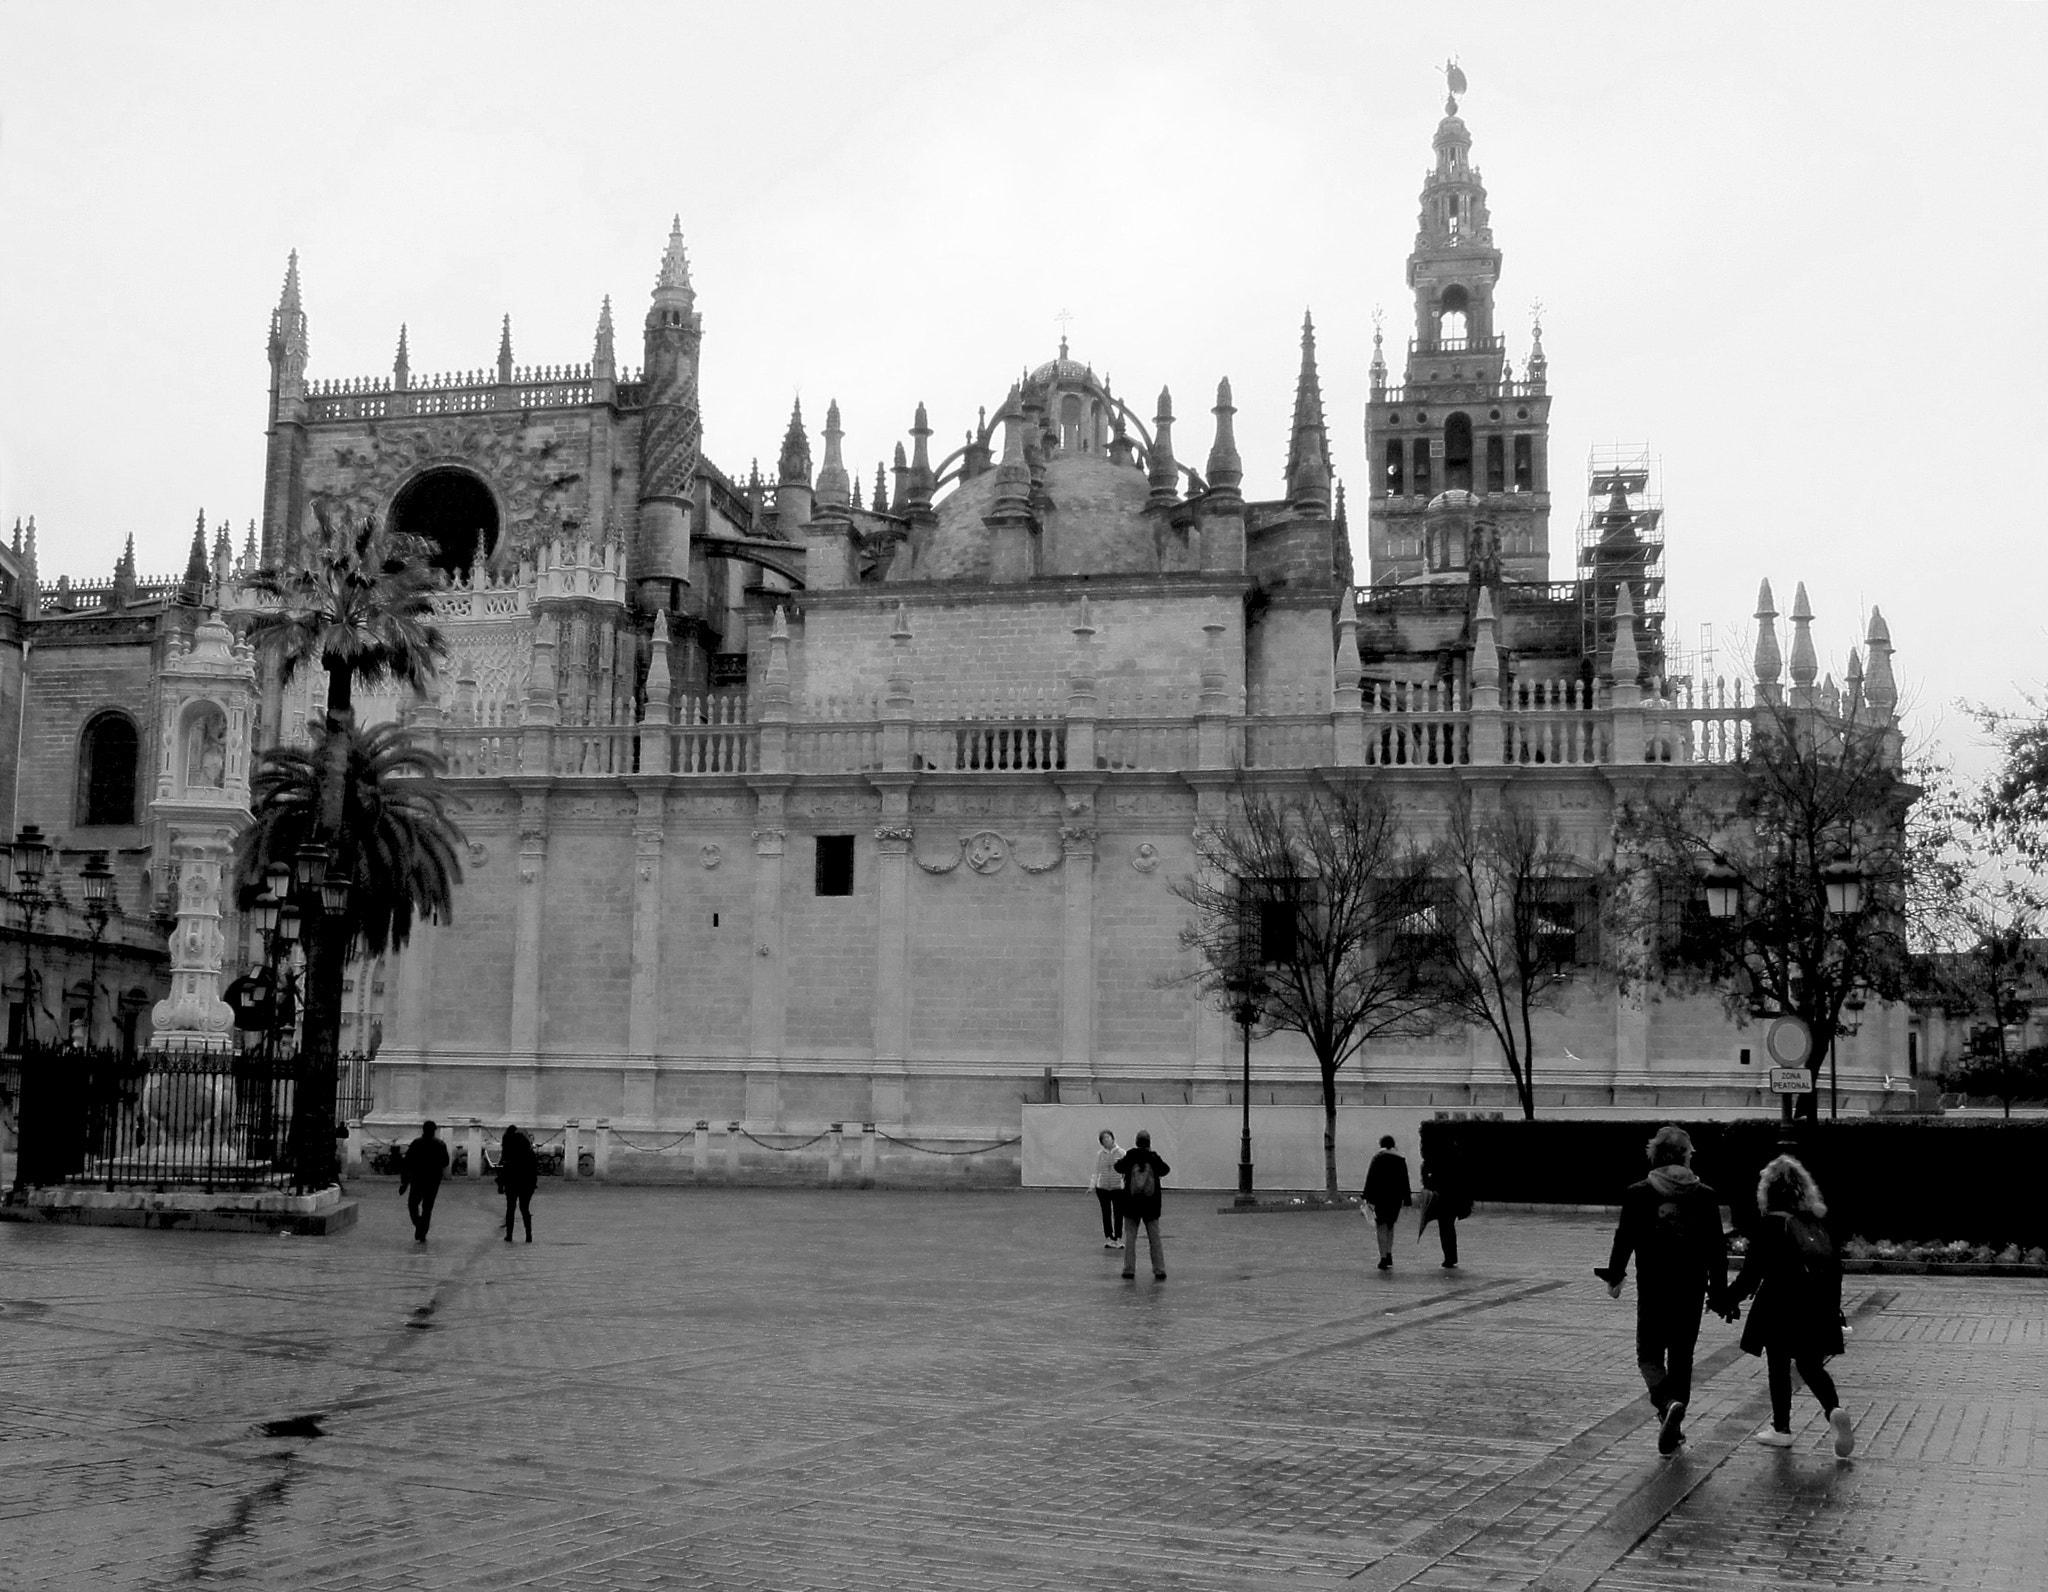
(1459, 420)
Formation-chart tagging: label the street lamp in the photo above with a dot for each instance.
(31, 856)
(1844, 883)
(100, 906)
(1723, 888)
(309, 865)
(1244, 987)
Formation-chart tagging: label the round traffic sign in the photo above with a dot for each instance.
(1789, 1041)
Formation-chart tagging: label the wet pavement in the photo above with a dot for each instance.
(795, 1390)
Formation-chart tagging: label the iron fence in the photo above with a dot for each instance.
(158, 1119)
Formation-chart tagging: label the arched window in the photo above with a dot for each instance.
(1458, 452)
(1419, 476)
(1451, 320)
(107, 756)
(1395, 473)
(453, 511)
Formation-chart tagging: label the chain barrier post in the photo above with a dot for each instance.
(732, 1152)
(475, 1146)
(832, 1164)
(569, 1148)
(867, 1155)
(700, 1151)
(601, 1149)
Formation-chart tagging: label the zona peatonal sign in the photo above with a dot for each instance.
(1789, 1042)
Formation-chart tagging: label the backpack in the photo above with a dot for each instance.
(1144, 1183)
(1813, 1251)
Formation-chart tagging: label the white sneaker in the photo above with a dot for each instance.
(1845, 1434)
(1110, 1243)
(1771, 1437)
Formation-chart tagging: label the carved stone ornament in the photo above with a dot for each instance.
(479, 854)
(985, 851)
(711, 854)
(768, 840)
(1146, 858)
(894, 834)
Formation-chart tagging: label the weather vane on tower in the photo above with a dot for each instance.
(1454, 85)
(1066, 319)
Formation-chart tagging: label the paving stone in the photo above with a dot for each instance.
(850, 1392)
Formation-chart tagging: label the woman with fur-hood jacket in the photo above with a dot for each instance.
(1796, 1277)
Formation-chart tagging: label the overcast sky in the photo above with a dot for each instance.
(1791, 248)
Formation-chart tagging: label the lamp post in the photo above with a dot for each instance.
(31, 857)
(100, 906)
(1245, 987)
(1843, 881)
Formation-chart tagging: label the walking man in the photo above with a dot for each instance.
(1450, 1203)
(1142, 1171)
(518, 1175)
(1671, 1223)
(419, 1178)
(1386, 1194)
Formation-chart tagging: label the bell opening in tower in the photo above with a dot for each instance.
(1458, 453)
(453, 512)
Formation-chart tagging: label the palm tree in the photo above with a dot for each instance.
(396, 846)
(362, 609)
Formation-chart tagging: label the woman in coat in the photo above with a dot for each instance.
(518, 1174)
(1386, 1191)
(1792, 1270)
(1109, 1187)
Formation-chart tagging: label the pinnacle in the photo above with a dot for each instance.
(675, 263)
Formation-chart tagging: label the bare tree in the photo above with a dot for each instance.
(1309, 892)
(1806, 836)
(1513, 910)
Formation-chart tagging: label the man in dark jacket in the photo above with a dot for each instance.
(1671, 1223)
(1386, 1193)
(1443, 1174)
(1143, 1171)
(518, 1176)
(419, 1178)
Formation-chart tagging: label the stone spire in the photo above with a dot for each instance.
(1485, 665)
(192, 589)
(1880, 690)
(604, 361)
(1624, 663)
(1350, 666)
(250, 557)
(1340, 544)
(880, 501)
(1013, 474)
(920, 481)
(288, 335)
(1308, 455)
(1768, 661)
(794, 467)
(1805, 665)
(658, 684)
(505, 353)
(1538, 368)
(1226, 469)
(223, 560)
(899, 499)
(401, 367)
(1378, 370)
(124, 574)
(1164, 474)
(835, 490)
(28, 564)
(674, 277)
(1852, 681)
(672, 430)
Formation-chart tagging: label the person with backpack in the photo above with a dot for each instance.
(1443, 1175)
(1386, 1192)
(1142, 1171)
(1109, 1189)
(1796, 1277)
(1671, 1223)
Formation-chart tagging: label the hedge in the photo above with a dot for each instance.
(1922, 1178)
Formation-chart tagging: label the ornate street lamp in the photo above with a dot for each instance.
(100, 907)
(1843, 881)
(1723, 887)
(334, 894)
(309, 865)
(31, 853)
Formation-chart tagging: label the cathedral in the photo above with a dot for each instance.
(806, 801)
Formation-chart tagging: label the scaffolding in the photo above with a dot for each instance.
(1621, 538)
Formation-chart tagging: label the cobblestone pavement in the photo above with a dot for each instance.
(812, 1390)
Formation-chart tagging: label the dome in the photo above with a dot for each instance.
(1095, 523)
(1062, 369)
(1455, 498)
